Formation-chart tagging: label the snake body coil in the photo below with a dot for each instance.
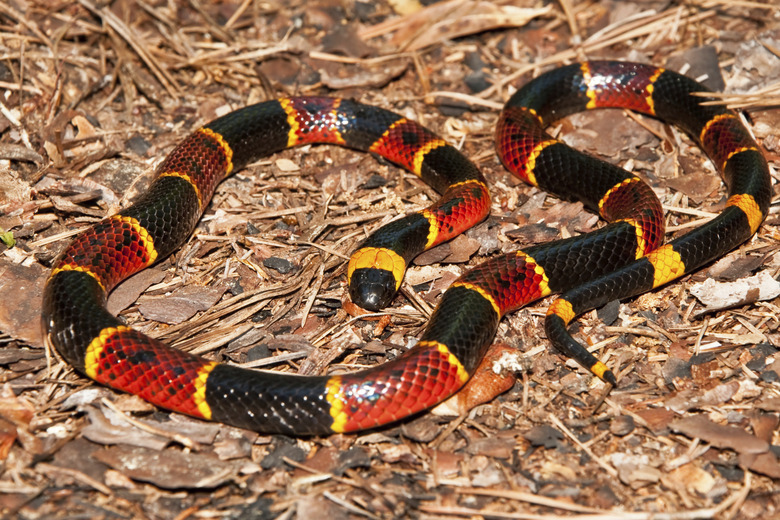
(620, 260)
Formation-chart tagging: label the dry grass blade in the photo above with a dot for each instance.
(708, 4)
(732, 503)
(226, 331)
(25, 21)
(253, 301)
(558, 424)
(177, 437)
(231, 55)
(765, 98)
(24, 88)
(77, 475)
(127, 34)
(449, 20)
(274, 360)
(571, 20)
(651, 24)
(326, 56)
(15, 122)
(216, 29)
(470, 100)
(315, 289)
(530, 498)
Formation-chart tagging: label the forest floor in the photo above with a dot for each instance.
(94, 94)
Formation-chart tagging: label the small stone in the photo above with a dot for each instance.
(622, 425)
(258, 352)
(251, 229)
(284, 448)
(354, 457)
(476, 81)
(609, 313)
(474, 61)
(544, 435)
(281, 265)
(138, 145)
(375, 181)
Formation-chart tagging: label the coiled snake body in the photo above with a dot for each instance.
(620, 260)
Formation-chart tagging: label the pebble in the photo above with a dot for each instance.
(278, 264)
(622, 425)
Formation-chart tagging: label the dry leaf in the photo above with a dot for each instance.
(719, 435)
(721, 295)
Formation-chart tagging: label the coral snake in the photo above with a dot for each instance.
(620, 260)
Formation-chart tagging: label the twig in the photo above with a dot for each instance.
(472, 100)
(223, 34)
(733, 503)
(177, 437)
(530, 498)
(48, 469)
(24, 20)
(557, 422)
(571, 20)
(127, 34)
(313, 296)
(348, 505)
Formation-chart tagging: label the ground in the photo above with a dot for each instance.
(95, 94)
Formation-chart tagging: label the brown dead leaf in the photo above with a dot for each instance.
(343, 39)
(483, 386)
(435, 255)
(170, 469)
(461, 249)
(361, 76)
(764, 425)
(234, 443)
(735, 266)
(129, 290)
(720, 394)
(737, 439)
(182, 304)
(21, 317)
(353, 309)
(15, 417)
(404, 7)
(697, 186)
(606, 133)
(533, 233)
(635, 471)
(657, 419)
(720, 295)
(764, 463)
(446, 463)
(13, 409)
(496, 447)
(13, 189)
(770, 404)
(17, 152)
(105, 427)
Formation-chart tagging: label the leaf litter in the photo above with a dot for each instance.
(95, 94)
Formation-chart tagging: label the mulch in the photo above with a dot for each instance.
(94, 94)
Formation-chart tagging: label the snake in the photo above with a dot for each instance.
(624, 258)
